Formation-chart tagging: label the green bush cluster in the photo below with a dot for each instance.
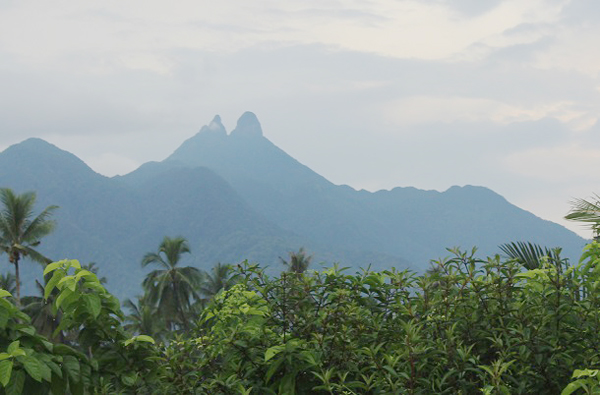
(467, 326)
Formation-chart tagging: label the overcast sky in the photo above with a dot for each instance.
(370, 93)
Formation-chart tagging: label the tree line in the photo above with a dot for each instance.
(523, 322)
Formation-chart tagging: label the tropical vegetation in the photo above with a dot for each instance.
(20, 231)
(527, 321)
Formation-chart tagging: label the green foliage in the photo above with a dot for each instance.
(530, 255)
(587, 380)
(100, 358)
(20, 232)
(588, 212)
(469, 326)
(171, 288)
(298, 261)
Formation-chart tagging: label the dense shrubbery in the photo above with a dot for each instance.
(466, 326)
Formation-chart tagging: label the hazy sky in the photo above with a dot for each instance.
(371, 93)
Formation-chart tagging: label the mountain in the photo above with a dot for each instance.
(238, 196)
(406, 222)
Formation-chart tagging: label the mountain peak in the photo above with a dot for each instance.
(215, 126)
(247, 125)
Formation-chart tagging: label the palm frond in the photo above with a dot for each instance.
(528, 254)
(586, 211)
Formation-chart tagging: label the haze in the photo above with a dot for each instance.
(373, 94)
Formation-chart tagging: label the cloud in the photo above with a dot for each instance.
(370, 93)
(559, 164)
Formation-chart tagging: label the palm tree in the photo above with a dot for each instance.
(143, 318)
(171, 288)
(586, 211)
(8, 282)
(40, 311)
(298, 261)
(220, 279)
(20, 232)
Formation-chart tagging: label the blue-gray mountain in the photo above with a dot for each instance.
(237, 196)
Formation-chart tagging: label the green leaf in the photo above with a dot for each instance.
(52, 266)
(144, 338)
(32, 366)
(63, 294)
(5, 371)
(571, 387)
(74, 263)
(58, 385)
(13, 346)
(71, 365)
(18, 353)
(4, 293)
(15, 385)
(129, 378)
(3, 317)
(51, 284)
(272, 351)
(94, 304)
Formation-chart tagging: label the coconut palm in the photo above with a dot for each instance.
(219, 278)
(20, 232)
(8, 282)
(143, 318)
(588, 212)
(298, 261)
(171, 288)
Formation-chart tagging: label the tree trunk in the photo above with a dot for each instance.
(178, 305)
(18, 280)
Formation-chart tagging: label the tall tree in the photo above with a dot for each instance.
(40, 310)
(20, 231)
(171, 288)
(219, 278)
(143, 318)
(586, 211)
(8, 282)
(298, 261)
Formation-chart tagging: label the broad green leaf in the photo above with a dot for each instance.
(83, 273)
(51, 284)
(18, 353)
(63, 294)
(272, 351)
(15, 385)
(571, 387)
(46, 371)
(58, 385)
(71, 365)
(94, 304)
(5, 371)
(53, 266)
(4, 293)
(32, 366)
(13, 346)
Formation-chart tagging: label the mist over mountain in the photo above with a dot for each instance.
(238, 196)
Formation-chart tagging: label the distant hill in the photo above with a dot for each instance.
(237, 196)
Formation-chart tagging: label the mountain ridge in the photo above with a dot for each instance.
(238, 196)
